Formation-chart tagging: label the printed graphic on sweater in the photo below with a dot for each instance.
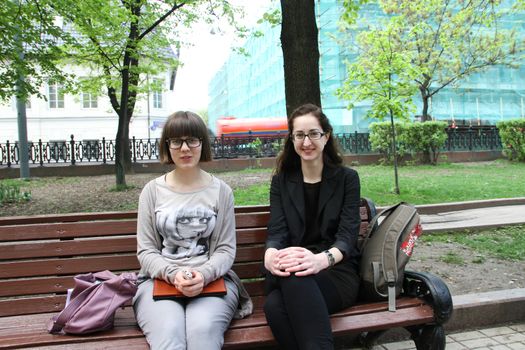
(185, 230)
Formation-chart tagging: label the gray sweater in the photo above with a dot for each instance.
(222, 243)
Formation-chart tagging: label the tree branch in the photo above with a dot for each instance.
(160, 20)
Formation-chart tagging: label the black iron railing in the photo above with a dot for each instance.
(103, 151)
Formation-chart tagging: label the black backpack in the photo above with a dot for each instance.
(385, 251)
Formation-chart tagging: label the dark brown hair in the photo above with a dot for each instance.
(180, 124)
(289, 160)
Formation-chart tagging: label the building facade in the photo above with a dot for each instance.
(252, 86)
(86, 116)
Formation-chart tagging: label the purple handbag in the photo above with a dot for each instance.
(93, 302)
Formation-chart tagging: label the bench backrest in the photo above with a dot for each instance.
(39, 255)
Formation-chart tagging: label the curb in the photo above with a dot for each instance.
(487, 309)
(429, 209)
(432, 209)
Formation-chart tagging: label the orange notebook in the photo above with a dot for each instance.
(163, 290)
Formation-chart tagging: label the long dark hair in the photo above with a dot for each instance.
(288, 160)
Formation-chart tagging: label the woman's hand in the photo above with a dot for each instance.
(301, 261)
(190, 287)
(297, 260)
(272, 263)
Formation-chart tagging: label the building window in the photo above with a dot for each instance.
(89, 100)
(157, 93)
(55, 95)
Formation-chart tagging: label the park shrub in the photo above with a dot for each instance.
(421, 140)
(512, 134)
(425, 140)
(381, 139)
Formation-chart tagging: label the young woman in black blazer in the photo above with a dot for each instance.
(311, 250)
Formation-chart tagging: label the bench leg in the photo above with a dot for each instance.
(429, 337)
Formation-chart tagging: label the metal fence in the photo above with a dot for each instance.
(103, 151)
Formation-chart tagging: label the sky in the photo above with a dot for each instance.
(206, 57)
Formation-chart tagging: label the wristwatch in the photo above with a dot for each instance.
(331, 259)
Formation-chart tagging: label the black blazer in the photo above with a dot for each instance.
(337, 214)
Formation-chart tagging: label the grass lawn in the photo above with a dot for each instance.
(425, 184)
(505, 243)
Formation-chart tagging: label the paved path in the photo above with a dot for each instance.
(509, 337)
(474, 218)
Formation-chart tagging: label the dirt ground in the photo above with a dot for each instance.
(92, 194)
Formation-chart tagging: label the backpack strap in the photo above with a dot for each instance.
(391, 287)
(373, 223)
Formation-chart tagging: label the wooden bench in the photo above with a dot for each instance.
(40, 254)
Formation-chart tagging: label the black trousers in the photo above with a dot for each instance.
(297, 310)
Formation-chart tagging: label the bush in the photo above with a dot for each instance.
(419, 139)
(512, 134)
(10, 193)
(381, 139)
(425, 140)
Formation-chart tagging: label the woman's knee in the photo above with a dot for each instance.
(273, 305)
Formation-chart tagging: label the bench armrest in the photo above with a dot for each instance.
(431, 288)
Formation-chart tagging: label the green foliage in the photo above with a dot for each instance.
(413, 138)
(381, 139)
(273, 17)
(256, 147)
(381, 74)
(29, 46)
(350, 11)
(444, 41)
(512, 134)
(427, 137)
(10, 193)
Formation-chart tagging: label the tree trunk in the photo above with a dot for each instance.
(122, 153)
(425, 97)
(128, 98)
(299, 41)
(394, 152)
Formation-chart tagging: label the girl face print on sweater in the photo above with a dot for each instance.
(185, 230)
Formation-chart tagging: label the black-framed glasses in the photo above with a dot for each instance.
(312, 135)
(191, 142)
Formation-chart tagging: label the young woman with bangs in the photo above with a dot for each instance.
(186, 223)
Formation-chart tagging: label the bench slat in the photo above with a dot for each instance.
(17, 287)
(45, 249)
(35, 305)
(247, 220)
(67, 230)
(249, 270)
(112, 215)
(255, 235)
(68, 266)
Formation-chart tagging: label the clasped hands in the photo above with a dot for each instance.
(297, 260)
(189, 287)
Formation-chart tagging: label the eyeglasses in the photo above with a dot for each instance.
(191, 142)
(312, 135)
